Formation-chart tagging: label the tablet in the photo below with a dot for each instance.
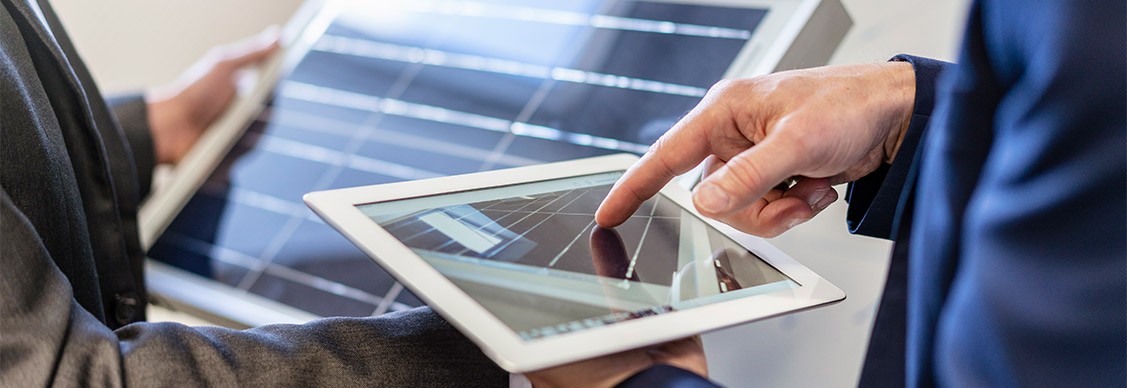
(514, 259)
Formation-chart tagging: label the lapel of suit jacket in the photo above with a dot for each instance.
(107, 185)
(33, 13)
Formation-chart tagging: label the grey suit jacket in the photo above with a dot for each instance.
(72, 288)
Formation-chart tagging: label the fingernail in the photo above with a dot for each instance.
(712, 199)
(824, 202)
(821, 199)
(795, 222)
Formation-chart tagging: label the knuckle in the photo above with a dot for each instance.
(660, 145)
(722, 86)
(729, 86)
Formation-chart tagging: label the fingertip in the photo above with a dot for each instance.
(604, 220)
(607, 216)
(792, 212)
(825, 202)
(818, 193)
(769, 219)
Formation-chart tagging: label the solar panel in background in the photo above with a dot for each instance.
(408, 90)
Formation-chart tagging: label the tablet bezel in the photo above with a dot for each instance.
(502, 344)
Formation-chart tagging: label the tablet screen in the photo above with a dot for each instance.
(532, 255)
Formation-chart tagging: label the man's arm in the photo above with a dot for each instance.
(49, 339)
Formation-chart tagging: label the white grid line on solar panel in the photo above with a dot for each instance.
(569, 245)
(525, 113)
(254, 199)
(330, 96)
(328, 156)
(356, 141)
(240, 259)
(243, 260)
(637, 251)
(412, 218)
(490, 223)
(389, 299)
(520, 236)
(322, 284)
(236, 258)
(550, 16)
(314, 123)
(216, 252)
(537, 211)
(257, 200)
(393, 52)
(550, 214)
(642, 240)
(415, 219)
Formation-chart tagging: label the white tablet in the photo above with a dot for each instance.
(514, 259)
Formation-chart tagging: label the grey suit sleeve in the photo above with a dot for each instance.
(47, 338)
(132, 114)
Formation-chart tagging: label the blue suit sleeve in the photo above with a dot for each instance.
(875, 199)
(666, 376)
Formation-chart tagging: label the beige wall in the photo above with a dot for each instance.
(130, 44)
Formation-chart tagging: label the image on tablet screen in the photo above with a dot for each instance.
(532, 255)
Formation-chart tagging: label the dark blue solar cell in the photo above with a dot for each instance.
(303, 295)
(319, 250)
(604, 114)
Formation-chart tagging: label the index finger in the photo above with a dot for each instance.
(675, 153)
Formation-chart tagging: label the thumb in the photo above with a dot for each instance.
(746, 178)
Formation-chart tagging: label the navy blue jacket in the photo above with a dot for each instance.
(1009, 207)
(1018, 262)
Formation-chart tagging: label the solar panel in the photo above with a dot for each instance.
(417, 89)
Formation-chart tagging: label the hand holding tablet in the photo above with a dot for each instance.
(515, 260)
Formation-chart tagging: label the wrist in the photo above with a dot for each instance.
(166, 119)
(902, 94)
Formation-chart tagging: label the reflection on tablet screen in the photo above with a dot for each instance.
(532, 254)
